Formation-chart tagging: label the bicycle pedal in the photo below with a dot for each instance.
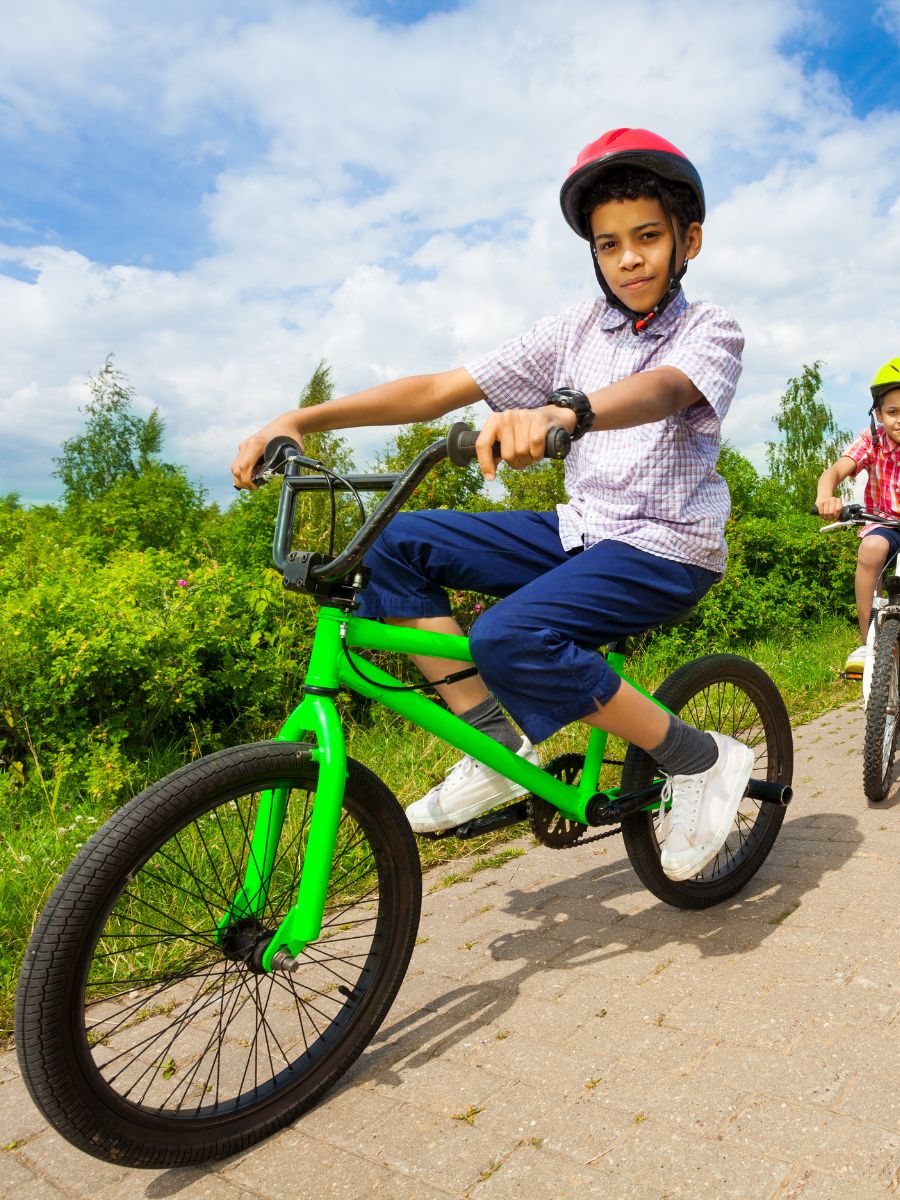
(854, 676)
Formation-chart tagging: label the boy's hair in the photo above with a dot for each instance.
(633, 183)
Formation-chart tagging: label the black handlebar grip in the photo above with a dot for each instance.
(814, 511)
(461, 444)
(462, 438)
(277, 451)
(559, 442)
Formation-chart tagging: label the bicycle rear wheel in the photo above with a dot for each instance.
(730, 695)
(881, 712)
(149, 1037)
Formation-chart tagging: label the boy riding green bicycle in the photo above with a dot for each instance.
(641, 379)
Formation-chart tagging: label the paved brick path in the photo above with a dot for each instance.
(563, 1034)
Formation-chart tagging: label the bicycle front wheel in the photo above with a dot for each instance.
(150, 1036)
(881, 712)
(731, 695)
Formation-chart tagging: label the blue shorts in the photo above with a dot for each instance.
(536, 650)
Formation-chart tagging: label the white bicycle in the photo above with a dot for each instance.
(881, 672)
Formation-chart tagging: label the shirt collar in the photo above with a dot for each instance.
(611, 319)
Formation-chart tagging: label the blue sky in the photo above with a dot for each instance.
(223, 195)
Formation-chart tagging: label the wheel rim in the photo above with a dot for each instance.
(180, 1023)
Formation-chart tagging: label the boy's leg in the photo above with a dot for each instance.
(419, 556)
(874, 549)
(708, 774)
(536, 650)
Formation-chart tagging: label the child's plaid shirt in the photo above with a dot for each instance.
(882, 462)
(653, 486)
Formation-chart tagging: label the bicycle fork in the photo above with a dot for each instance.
(318, 716)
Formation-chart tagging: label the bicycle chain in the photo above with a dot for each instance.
(548, 824)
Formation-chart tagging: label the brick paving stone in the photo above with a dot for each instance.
(185, 1183)
(19, 1119)
(814, 1185)
(292, 1166)
(439, 1150)
(71, 1170)
(19, 1181)
(530, 1173)
(679, 1163)
(819, 1137)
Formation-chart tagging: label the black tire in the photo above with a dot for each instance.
(881, 713)
(730, 695)
(148, 1039)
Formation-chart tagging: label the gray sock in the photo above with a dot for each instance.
(488, 716)
(685, 750)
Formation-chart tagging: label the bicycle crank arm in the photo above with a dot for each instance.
(510, 815)
(608, 808)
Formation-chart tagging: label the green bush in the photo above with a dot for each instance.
(782, 576)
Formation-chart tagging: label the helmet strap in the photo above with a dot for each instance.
(872, 426)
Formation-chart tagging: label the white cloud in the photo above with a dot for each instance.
(389, 200)
(888, 16)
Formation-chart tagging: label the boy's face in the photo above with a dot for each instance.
(633, 240)
(889, 414)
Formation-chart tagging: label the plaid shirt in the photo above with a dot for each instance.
(653, 486)
(882, 462)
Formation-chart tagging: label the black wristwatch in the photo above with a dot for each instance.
(579, 405)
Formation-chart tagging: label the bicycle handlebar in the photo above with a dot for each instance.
(856, 514)
(461, 444)
(283, 456)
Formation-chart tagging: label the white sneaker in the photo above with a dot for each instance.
(856, 661)
(468, 790)
(703, 809)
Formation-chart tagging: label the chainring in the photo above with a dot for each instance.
(547, 823)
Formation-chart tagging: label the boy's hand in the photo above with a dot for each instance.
(522, 434)
(829, 506)
(246, 463)
(249, 456)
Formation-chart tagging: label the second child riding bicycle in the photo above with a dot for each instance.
(877, 452)
(642, 380)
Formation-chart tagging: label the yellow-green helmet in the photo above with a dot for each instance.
(887, 378)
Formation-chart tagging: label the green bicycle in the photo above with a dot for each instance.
(226, 946)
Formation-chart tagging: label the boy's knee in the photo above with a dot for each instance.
(501, 647)
(873, 551)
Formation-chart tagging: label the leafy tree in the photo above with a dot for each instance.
(115, 441)
(158, 508)
(811, 439)
(245, 531)
(742, 479)
(445, 486)
(538, 488)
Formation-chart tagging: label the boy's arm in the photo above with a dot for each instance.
(831, 478)
(404, 401)
(650, 395)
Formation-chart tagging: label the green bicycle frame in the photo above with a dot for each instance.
(331, 667)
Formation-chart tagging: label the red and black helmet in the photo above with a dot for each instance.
(628, 148)
(625, 147)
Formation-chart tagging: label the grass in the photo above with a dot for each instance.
(45, 820)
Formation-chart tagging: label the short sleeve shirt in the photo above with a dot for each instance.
(653, 486)
(882, 464)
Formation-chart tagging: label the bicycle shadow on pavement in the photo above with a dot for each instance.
(592, 921)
